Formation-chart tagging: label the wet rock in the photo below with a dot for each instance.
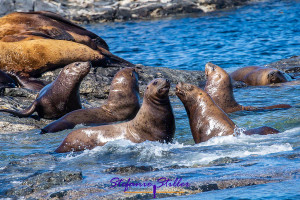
(44, 181)
(224, 161)
(108, 10)
(130, 169)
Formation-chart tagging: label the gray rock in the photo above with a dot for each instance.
(130, 170)
(108, 10)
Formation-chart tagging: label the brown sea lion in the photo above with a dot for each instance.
(59, 97)
(219, 87)
(254, 75)
(206, 119)
(33, 57)
(122, 104)
(154, 121)
(46, 25)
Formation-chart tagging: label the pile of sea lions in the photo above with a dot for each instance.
(35, 42)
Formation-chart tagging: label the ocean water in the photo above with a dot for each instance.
(256, 34)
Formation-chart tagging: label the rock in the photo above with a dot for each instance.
(86, 11)
(130, 169)
(44, 181)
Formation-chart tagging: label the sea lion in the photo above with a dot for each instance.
(33, 57)
(46, 25)
(254, 75)
(219, 87)
(154, 121)
(59, 97)
(206, 118)
(122, 104)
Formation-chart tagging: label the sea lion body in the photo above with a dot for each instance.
(33, 57)
(206, 118)
(254, 75)
(19, 26)
(154, 121)
(122, 104)
(59, 97)
(220, 89)
(34, 42)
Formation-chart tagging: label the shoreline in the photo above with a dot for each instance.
(95, 11)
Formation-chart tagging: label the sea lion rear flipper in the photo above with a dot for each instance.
(58, 125)
(28, 83)
(25, 113)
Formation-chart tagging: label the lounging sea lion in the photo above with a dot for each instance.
(6, 81)
(46, 25)
(122, 104)
(254, 75)
(154, 121)
(59, 97)
(33, 57)
(206, 119)
(219, 87)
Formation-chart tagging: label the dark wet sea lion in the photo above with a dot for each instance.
(122, 104)
(254, 75)
(59, 97)
(219, 87)
(154, 121)
(206, 119)
(48, 25)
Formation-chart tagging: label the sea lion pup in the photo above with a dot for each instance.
(44, 24)
(59, 97)
(154, 121)
(254, 75)
(219, 87)
(206, 119)
(122, 104)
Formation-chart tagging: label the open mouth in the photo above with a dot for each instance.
(178, 91)
(164, 89)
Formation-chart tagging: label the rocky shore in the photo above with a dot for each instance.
(86, 11)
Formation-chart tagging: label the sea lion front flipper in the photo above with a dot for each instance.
(25, 113)
(278, 106)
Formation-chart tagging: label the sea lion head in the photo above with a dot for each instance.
(126, 78)
(75, 72)
(189, 94)
(216, 75)
(158, 90)
(277, 76)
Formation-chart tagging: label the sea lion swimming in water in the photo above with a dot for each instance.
(154, 121)
(219, 87)
(19, 26)
(122, 104)
(254, 75)
(206, 118)
(59, 97)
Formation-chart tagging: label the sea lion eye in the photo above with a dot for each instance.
(155, 83)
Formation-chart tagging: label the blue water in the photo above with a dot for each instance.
(256, 34)
(253, 35)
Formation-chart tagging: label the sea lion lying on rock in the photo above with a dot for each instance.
(122, 104)
(206, 119)
(19, 26)
(219, 87)
(254, 75)
(154, 121)
(59, 97)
